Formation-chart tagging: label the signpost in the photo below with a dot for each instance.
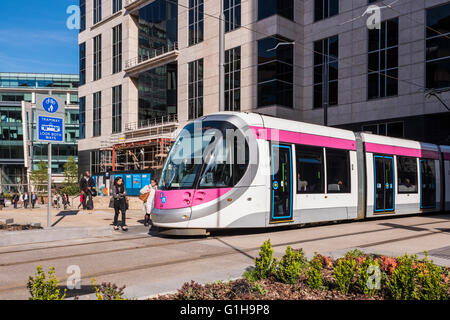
(50, 113)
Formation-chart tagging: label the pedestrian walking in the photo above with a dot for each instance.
(2, 200)
(15, 200)
(33, 199)
(25, 200)
(119, 197)
(148, 194)
(86, 185)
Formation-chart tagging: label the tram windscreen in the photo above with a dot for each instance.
(206, 154)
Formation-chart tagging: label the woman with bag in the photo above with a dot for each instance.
(148, 197)
(119, 200)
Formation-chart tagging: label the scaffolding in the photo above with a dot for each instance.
(144, 146)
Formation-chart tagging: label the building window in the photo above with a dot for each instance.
(392, 129)
(98, 57)
(268, 8)
(83, 63)
(157, 94)
(82, 15)
(117, 109)
(275, 72)
(338, 171)
(437, 47)
(196, 21)
(97, 115)
(326, 71)
(233, 79)
(383, 60)
(232, 13)
(82, 117)
(407, 174)
(310, 169)
(117, 5)
(325, 8)
(117, 49)
(195, 89)
(97, 11)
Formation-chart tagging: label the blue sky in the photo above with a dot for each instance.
(34, 37)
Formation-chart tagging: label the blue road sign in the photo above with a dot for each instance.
(50, 105)
(50, 129)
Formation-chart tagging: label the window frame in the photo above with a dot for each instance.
(349, 171)
(298, 148)
(416, 175)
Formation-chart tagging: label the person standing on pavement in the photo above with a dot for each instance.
(33, 200)
(86, 185)
(25, 200)
(2, 200)
(150, 192)
(119, 194)
(16, 200)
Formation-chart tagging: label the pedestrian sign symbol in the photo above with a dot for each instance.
(50, 105)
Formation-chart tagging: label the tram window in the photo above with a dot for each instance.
(338, 171)
(310, 169)
(407, 174)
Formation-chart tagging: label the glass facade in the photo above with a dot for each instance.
(97, 57)
(195, 88)
(117, 109)
(97, 114)
(268, 8)
(233, 79)
(438, 47)
(82, 63)
(117, 49)
(325, 8)
(158, 26)
(232, 13)
(157, 93)
(383, 60)
(13, 171)
(196, 21)
(97, 11)
(117, 5)
(275, 72)
(82, 15)
(38, 81)
(326, 71)
(82, 118)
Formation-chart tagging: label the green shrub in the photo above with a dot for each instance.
(369, 276)
(353, 254)
(70, 190)
(344, 272)
(108, 291)
(401, 285)
(192, 291)
(291, 265)
(42, 289)
(314, 278)
(265, 263)
(430, 281)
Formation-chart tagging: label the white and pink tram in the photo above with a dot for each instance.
(245, 170)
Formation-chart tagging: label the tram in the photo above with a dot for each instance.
(246, 170)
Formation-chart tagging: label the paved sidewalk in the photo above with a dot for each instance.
(70, 217)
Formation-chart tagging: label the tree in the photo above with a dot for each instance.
(71, 177)
(71, 171)
(39, 177)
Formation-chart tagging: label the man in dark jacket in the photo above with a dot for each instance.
(86, 185)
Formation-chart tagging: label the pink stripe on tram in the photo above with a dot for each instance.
(446, 156)
(303, 138)
(401, 151)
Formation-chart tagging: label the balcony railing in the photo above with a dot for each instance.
(151, 55)
(156, 122)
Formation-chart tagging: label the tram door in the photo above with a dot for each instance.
(384, 184)
(427, 184)
(281, 183)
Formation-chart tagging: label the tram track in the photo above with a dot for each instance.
(227, 252)
(176, 242)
